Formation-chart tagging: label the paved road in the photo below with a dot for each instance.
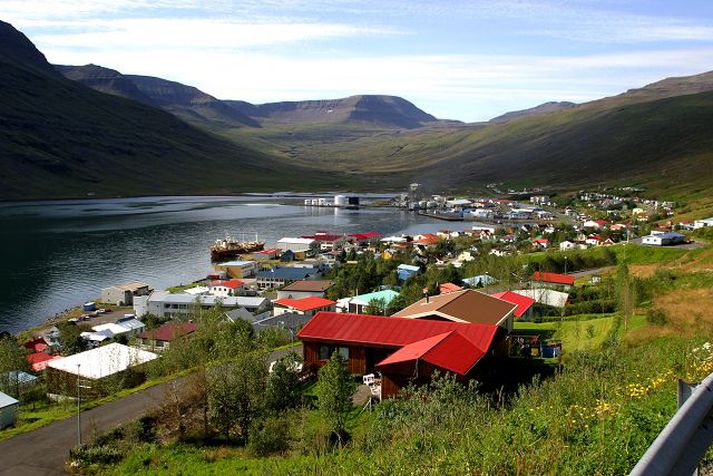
(44, 451)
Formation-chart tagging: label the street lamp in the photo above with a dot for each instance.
(565, 265)
(79, 410)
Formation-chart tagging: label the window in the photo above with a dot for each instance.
(343, 352)
(324, 353)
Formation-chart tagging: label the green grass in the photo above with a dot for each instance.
(640, 254)
(572, 331)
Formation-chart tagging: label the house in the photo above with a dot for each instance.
(164, 304)
(16, 381)
(93, 368)
(359, 304)
(308, 306)
(543, 243)
(567, 245)
(162, 337)
(8, 411)
(595, 224)
(449, 288)
(38, 361)
(280, 276)
(305, 288)
(268, 254)
(523, 303)
(365, 237)
(289, 321)
(298, 245)
(547, 297)
(703, 223)
(594, 240)
(428, 239)
(36, 345)
(552, 280)
(663, 239)
(128, 326)
(123, 294)
(237, 269)
(229, 287)
(479, 281)
(540, 199)
(405, 271)
(404, 351)
(467, 305)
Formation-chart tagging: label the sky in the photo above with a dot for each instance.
(466, 60)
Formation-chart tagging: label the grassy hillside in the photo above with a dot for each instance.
(663, 144)
(61, 139)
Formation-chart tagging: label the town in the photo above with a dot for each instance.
(395, 310)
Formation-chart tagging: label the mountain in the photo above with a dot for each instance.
(186, 102)
(61, 139)
(374, 110)
(533, 111)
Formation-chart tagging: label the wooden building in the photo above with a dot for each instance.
(403, 350)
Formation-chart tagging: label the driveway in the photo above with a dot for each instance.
(44, 451)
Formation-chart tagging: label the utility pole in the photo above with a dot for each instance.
(79, 410)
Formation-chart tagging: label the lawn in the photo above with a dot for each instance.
(575, 332)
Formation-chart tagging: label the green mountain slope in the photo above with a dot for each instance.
(59, 138)
(665, 144)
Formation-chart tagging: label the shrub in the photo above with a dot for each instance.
(88, 455)
(656, 317)
(269, 436)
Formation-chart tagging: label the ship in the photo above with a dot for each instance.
(229, 248)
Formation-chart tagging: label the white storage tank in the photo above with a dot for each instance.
(315, 201)
(322, 202)
(308, 201)
(340, 201)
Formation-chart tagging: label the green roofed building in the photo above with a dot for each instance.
(358, 304)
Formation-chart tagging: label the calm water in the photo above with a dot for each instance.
(55, 255)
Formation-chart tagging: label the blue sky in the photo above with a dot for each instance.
(467, 60)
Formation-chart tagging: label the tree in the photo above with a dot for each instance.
(376, 307)
(71, 339)
(626, 293)
(12, 357)
(283, 386)
(335, 388)
(236, 393)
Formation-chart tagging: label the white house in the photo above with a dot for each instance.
(703, 223)
(128, 326)
(8, 411)
(164, 304)
(663, 239)
(297, 244)
(567, 245)
(123, 294)
(103, 361)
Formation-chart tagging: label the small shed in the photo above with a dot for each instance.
(8, 410)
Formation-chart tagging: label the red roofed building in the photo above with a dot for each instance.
(36, 345)
(38, 361)
(428, 239)
(362, 237)
(308, 306)
(161, 337)
(552, 279)
(541, 242)
(449, 288)
(523, 303)
(404, 350)
(229, 287)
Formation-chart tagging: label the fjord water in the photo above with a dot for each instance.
(58, 254)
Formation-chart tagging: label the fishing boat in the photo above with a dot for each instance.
(230, 247)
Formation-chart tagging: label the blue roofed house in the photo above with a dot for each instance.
(278, 277)
(405, 271)
(479, 281)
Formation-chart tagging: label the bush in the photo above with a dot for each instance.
(656, 317)
(88, 455)
(269, 436)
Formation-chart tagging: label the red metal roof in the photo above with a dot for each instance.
(36, 345)
(39, 360)
(523, 303)
(304, 304)
(389, 331)
(170, 331)
(553, 278)
(428, 239)
(366, 236)
(230, 283)
(449, 288)
(451, 351)
(325, 237)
